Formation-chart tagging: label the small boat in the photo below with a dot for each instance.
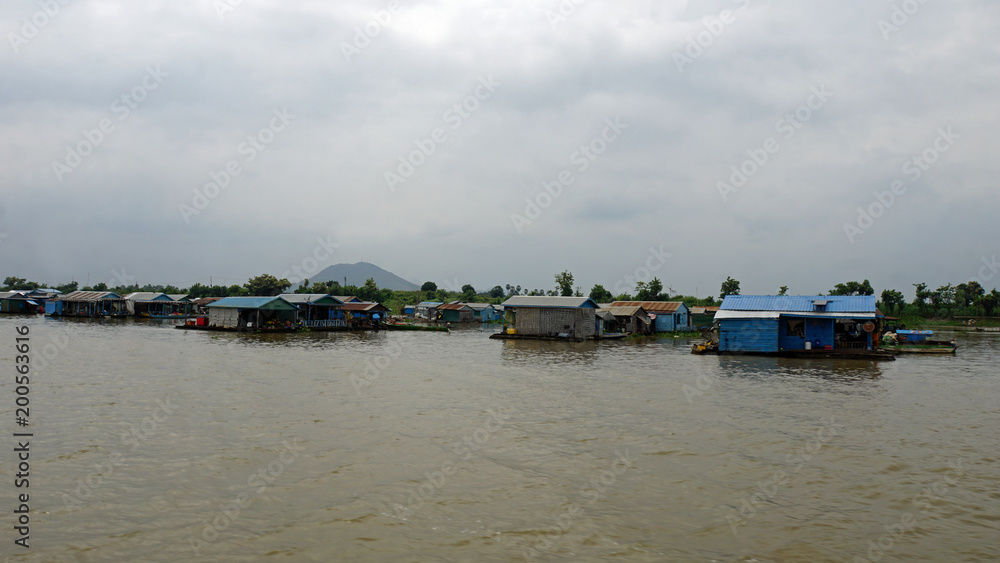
(916, 342)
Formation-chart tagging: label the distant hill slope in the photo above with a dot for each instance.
(358, 274)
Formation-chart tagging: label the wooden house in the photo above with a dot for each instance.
(630, 319)
(667, 316)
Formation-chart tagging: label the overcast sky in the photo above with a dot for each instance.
(735, 138)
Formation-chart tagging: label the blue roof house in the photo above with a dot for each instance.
(777, 324)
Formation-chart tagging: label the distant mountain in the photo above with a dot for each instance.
(358, 274)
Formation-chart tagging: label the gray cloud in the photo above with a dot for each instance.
(559, 80)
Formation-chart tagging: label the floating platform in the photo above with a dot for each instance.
(504, 336)
(920, 349)
(804, 354)
(413, 327)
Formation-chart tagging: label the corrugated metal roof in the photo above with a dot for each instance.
(606, 315)
(652, 306)
(453, 307)
(430, 304)
(89, 296)
(346, 298)
(311, 298)
(205, 300)
(725, 315)
(800, 303)
(626, 311)
(147, 296)
(551, 302)
(13, 294)
(248, 302)
(362, 307)
(177, 296)
(479, 306)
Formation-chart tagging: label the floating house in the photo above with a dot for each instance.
(667, 316)
(86, 304)
(631, 319)
(484, 312)
(779, 324)
(409, 310)
(425, 309)
(201, 304)
(317, 310)
(454, 313)
(364, 315)
(18, 303)
(154, 305)
(550, 317)
(250, 313)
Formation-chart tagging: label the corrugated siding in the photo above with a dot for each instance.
(533, 321)
(800, 303)
(748, 335)
(223, 317)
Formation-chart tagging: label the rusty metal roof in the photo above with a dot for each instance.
(652, 306)
(88, 296)
(452, 307)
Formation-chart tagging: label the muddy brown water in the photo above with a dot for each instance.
(155, 444)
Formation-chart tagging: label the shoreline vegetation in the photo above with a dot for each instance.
(949, 306)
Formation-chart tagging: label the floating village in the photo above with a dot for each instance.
(847, 327)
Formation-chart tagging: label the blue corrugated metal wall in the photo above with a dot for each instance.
(748, 335)
(669, 322)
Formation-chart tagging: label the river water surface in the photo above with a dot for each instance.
(155, 444)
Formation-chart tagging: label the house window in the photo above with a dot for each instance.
(795, 328)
